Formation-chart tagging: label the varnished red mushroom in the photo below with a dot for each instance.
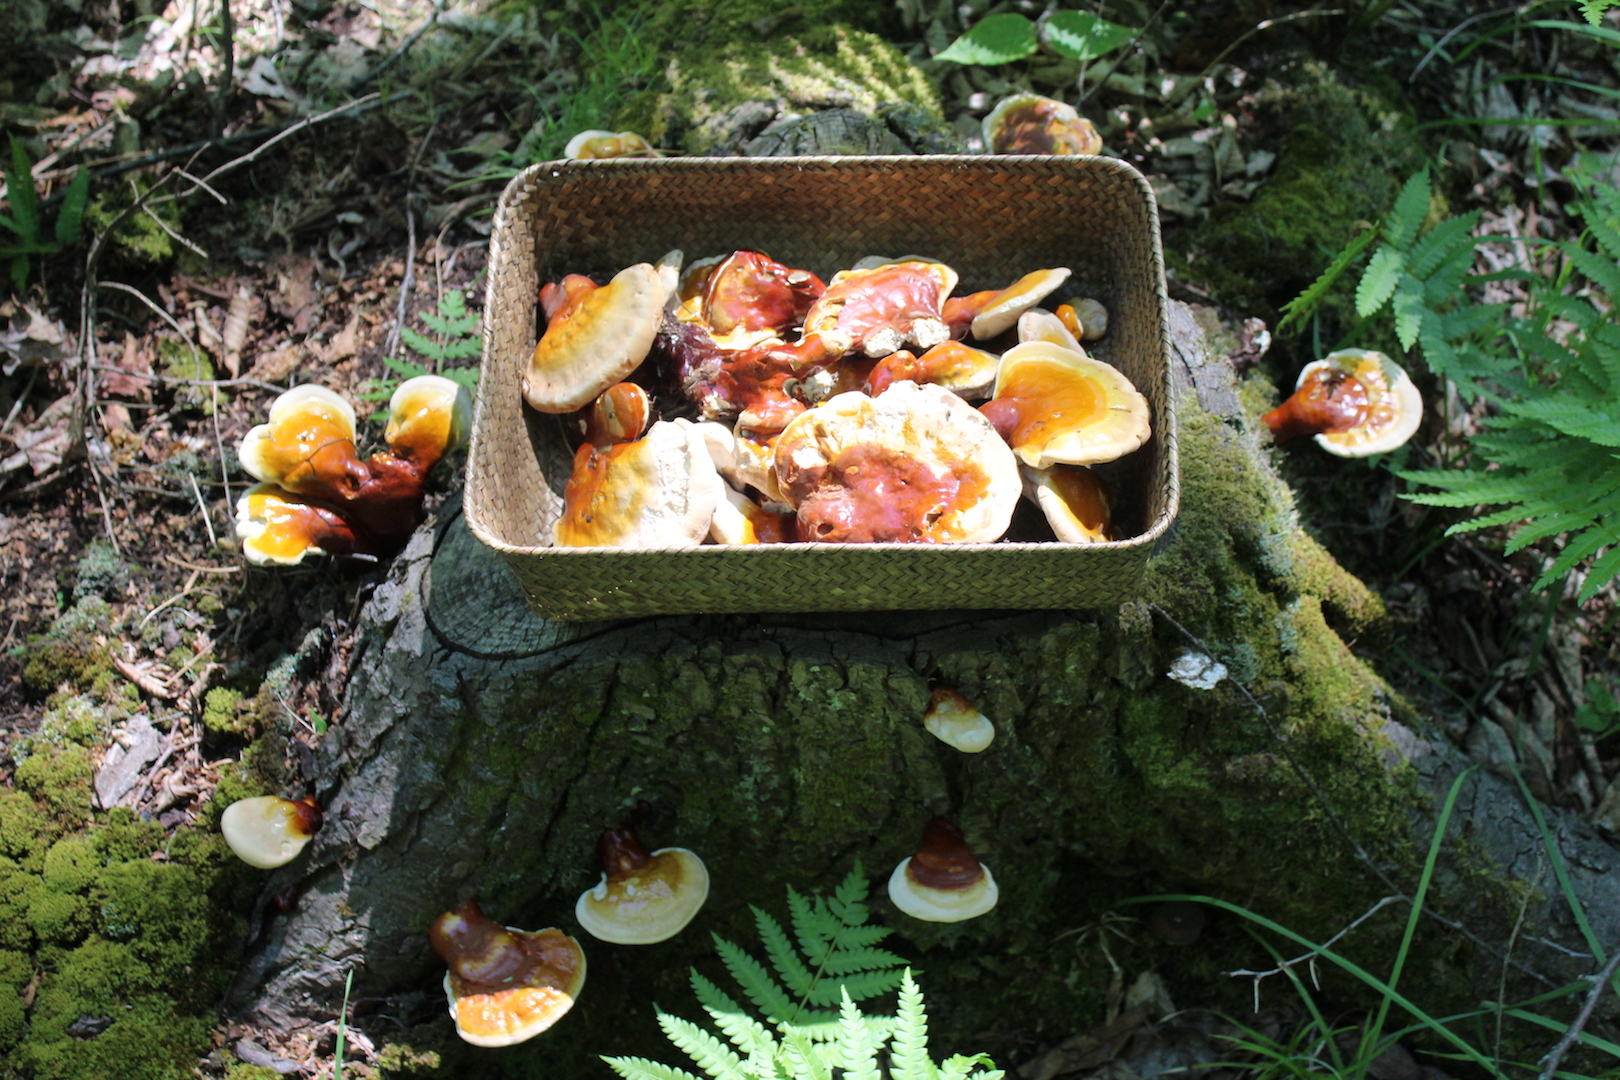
(504, 985)
(943, 881)
(643, 897)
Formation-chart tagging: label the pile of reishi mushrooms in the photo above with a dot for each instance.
(737, 400)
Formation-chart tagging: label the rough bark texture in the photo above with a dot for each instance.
(482, 751)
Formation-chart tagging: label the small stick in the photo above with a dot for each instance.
(1599, 981)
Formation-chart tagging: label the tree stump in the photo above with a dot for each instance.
(482, 750)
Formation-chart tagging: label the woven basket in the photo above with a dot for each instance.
(991, 218)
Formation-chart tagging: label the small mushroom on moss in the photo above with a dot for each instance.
(957, 722)
(1031, 124)
(267, 831)
(1356, 402)
(504, 985)
(943, 882)
(642, 898)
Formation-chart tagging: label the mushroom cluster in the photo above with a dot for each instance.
(737, 400)
(316, 496)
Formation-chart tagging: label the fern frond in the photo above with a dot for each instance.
(1379, 280)
(863, 937)
(634, 1068)
(1295, 311)
(1599, 270)
(959, 1067)
(908, 1048)
(746, 1034)
(850, 961)
(1601, 573)
(1605, 235)
(1580, 548)
(707, 1052)
(1575, 418)
(1411, 207)
(1409, 310)
(861, 985)
(857, 1049)
(1452, 237)
(765, 992)
(813, 926)
(799, 979)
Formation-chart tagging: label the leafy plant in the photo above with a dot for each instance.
(1600, 714)
(456, 337)
(24, 221)
(809, 1026)
(1005, 37)
(1549, 372)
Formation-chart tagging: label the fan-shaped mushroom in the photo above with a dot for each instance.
(943, 882)
(267, 831)
(1055, 405)
(886, 308)
(914, 464)
(277, 527)
(1075, 501)
(957, 722)
(659, 491)
(1356, 402)
(595, 342)
(1031, 124)
(642, 898)
(959, 368)
(504, 985)
(988, 313)
(595, 145)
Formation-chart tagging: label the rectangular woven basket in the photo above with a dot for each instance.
(992, 219)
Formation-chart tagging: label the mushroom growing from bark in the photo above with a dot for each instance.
(267, 831)
(1356, 402)
(1031, 124)
(324, 498)
(916, 464)
(504, 985)
(642, 898)
(957, 722)
(1055, 405)
(942, 882)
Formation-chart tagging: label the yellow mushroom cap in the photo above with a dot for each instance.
(957, 722)
(277, 527)
(659, 491)
(1394, 406)
(505, 985)
(428, 416)
(266, 831)
(1075, 501)
(309, 437)
(596, 144)
(597, 342)
(1066, 407)
(652, 904)
(1002, 312)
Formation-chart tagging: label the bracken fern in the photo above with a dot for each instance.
(808, 1025)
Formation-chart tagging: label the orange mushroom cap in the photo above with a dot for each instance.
(659, 491)
(1075, 501)
(885, 308)
(505, 985)
(943, 881)
(592, 344)
(278, 527)
(428, 416)
(307, 446)
(1356, 402)
(1055, 405)
(959, 368)
(642, 898)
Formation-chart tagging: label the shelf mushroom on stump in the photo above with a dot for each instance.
(642, 898)
(505, 985)
(1356, 402)
(943, 881)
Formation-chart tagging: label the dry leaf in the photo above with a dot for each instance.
(345, 343)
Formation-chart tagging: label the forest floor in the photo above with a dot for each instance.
(125, 390)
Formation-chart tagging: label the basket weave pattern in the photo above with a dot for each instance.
(992, 219)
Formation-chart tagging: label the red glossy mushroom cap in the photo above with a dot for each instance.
(886, 308)
(943, 881)
(642, 898)
(267, 831)
(1356, 402)
(307, 446)
(505, 985)
(1055, 405)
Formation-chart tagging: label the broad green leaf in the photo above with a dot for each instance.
(1378, 281)
(997, 39)
(1080, 35)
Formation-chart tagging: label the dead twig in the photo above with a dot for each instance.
(1550, 1063)
(1309, 957)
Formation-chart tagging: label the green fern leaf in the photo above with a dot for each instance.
(959, 1067)
(908, 1054)
(1297, 309)
(20, 192)
(1573, 417)
(1447, 240)
(862, 985)
(799, 979)
(814, 926)
(746, 1034)
(706, 1051)
(1604, 233)
(857, 1049)
(70, 219)
(1600, 270)
(1409, 310)
(850, 961)
(1580, 547)
(1411, 207)
(765, 992)
(1601, 573)
(634, 1068)
(1379, 280)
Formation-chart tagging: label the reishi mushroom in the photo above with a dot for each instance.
(595, 339)
(886, 308)
(504, 985)
(1356, 402)
(943, 882)
(596, 145)
(957, 722)
(267, 831)
(1055, 405)
(916, 464)
(1075, 501)
(1032, 124)
(658, 491)
(277, 527)
(642, 898)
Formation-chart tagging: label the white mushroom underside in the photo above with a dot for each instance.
(941, 905)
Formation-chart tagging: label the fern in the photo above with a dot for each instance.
(1546, 461)
(809, 1025)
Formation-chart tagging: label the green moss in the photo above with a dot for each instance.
(25, 832)
(18, 891)
(223, 712)
(99, 571)
(401, 1059)
(179, 361)
(58, 777)
(840, 67)
(58, 917)
(74, 652)
(1345, 156)
(77, 718)
(122, 837)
